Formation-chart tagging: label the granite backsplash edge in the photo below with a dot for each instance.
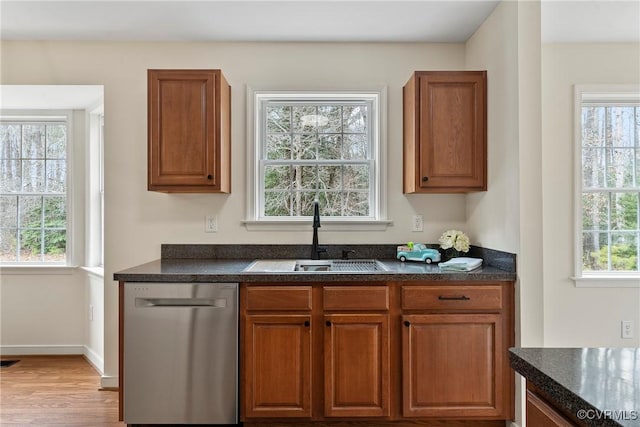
(502, 260)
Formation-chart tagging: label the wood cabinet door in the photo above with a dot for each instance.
(277, 376)
(452, 130)
(541, 414)
(445, 132)
(453, 365)
(188, 126)
(356, 365)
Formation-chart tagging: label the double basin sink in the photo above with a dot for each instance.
(316, 266)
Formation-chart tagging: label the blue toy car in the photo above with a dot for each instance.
(417, 252)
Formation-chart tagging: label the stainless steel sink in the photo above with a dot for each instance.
(313, 265)
(316, 266)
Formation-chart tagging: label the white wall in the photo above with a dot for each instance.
(577, 317)
(495, 218)
(42, 314)
(138, 221)
(509, 215)
(94, 331)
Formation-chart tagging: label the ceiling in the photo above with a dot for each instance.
(304, 20)
(588, 21)
(47, 97)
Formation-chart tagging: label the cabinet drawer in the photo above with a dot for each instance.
(279, 298)
(356, 298)
(452, 297)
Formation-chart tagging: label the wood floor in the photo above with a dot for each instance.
(55, 391)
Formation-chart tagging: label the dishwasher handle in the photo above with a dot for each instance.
(182, 302)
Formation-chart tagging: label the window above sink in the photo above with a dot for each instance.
(321, 145)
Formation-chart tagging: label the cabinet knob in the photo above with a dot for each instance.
(407, 323)
(425, 178)
(328, 322)
(209, 177)
(307, 323)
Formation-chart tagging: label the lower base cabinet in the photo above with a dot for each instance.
(461, 356)
(278, 362)
(395, 354)
(356, 365)
(542, 413)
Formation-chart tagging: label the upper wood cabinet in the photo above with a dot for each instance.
(445, 132)
(189, 131)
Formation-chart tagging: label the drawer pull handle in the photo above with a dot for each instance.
(453, 298)
(407, 323)
(307, 323)
(209, 177)
(328, 323)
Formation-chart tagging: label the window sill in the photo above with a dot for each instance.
(607, 281)
(24, 270)
(94, 271)
(327, 225)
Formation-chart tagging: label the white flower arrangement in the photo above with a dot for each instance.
(455, 240)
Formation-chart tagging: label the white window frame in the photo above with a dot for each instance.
(94, 190)
(44, 116)
(618, 94)
(254, 218)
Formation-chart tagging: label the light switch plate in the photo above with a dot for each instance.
(417, 224)
(210, 224)
(627, 329)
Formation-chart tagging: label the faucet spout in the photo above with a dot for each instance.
(316, 215)
(315, 248)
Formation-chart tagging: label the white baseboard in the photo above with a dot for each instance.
(38, 350)
(94, 359)
(109, 382)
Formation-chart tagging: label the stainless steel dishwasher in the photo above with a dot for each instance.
(180, 353)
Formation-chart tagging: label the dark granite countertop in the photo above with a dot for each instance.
(225, 263)
(601, 386)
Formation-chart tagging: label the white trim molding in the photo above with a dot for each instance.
(608, 281)
(42, 350)
(377, 221)
(599, 94)
(34, 270)
(327, 225)
(71, 228)
(109, 382)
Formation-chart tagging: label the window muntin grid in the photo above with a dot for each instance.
(610, 199)
(33, 191)
(317, 150)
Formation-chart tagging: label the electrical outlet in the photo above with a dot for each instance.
(417, 223)
(210, 224)
(627, 329)
(90, 312)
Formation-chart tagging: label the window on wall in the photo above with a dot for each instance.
(609, 183)
(323, 147)
(101, 189)
(33, 190)
(94, 182)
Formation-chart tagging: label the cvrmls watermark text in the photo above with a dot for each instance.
(596, 414)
